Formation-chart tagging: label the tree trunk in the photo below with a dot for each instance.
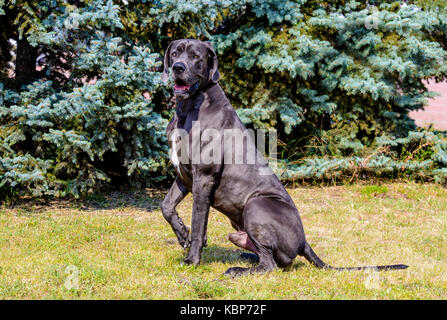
(25, 61)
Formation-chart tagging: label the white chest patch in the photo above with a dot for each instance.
(174, 156)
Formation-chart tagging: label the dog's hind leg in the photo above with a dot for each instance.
(266, 262)
(260, 234)
(275, 229)
(241, 239)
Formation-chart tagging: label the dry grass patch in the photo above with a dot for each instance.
(120, 247)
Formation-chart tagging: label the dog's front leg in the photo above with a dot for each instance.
(201, 192)
(176, 194)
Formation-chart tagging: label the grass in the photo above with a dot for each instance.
(118, 246)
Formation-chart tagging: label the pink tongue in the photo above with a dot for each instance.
(177, 87)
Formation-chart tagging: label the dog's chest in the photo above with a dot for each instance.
(179, 150)
(184, 134)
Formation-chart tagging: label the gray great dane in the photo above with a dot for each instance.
(266, 220)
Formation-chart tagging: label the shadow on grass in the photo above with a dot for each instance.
(215, 253)
(146, 199)
(295, 265)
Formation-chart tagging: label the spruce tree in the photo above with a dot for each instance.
(87, 117)
(337, 79)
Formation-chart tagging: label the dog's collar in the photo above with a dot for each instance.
(193, 87)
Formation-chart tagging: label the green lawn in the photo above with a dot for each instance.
(118, 246)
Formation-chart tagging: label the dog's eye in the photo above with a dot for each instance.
(174, 54)
(196, 57)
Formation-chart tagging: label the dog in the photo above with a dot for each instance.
(263, 214)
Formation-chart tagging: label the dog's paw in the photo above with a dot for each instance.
(192, 261)
(186, 243)
(185, 239)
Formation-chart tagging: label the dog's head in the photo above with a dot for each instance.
(193, 63)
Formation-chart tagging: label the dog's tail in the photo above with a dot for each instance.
(312, 257)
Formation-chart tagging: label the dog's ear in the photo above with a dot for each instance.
(214, 73)
(165, 75)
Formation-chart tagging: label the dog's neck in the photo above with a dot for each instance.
(195, 101)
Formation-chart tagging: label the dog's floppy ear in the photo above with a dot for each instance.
(165, 75)
(214, 73)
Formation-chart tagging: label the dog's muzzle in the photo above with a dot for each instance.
(184, 91)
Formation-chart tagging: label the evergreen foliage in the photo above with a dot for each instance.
(422, 155)
(337, 79)
(71, 136)
(334, 77)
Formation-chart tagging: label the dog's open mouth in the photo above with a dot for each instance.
(182, 88)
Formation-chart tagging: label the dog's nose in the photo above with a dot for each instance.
(179, 67)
